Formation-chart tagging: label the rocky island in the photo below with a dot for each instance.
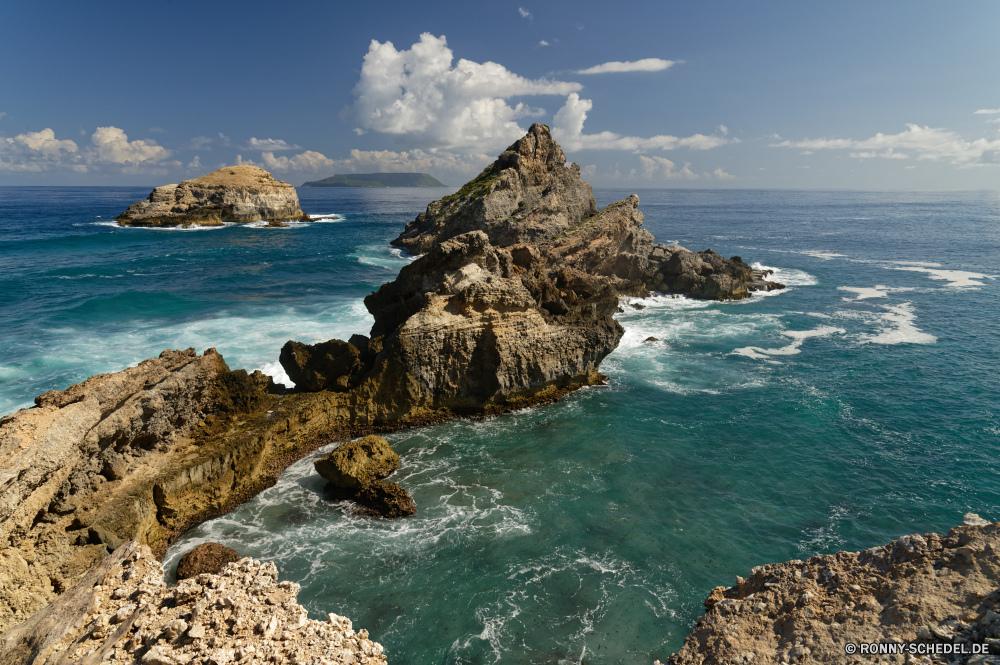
(233, 194)
(511, 305)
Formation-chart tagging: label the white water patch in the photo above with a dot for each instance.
(898, 327)
(798, 337)
(190, 227)
(878, 291)
(402, 254)
(382, 255)
(820, 254)
(955, 278)
(326, 218)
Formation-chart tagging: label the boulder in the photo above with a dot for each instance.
(206, 558)
(385, 499)
(332, 365)
(356, 464)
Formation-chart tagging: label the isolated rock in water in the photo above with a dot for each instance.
(930, 590)
(385, 499)
(237, 194)
(331, 365)
(356, 464)
(121, 611)
(206, 558)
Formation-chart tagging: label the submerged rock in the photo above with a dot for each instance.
(237, 194)
(206, 558)
(355, 464)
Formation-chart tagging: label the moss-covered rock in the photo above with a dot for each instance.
(356, 464)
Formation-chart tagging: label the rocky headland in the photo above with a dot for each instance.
(511, 305)
(936, 595)
(237, 194)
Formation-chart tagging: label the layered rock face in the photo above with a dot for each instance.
(931, 592)
(237, 194)
(122, 612)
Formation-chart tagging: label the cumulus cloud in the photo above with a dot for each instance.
(33, 152)
(661, 167)
(194, 163)
(272, 145)
(418, 96)
(925, 142)
(44, 142)
(980, 111)
(544, 43)
(644, 65)
(524, 13)
(110, 144)
(567, 128)
(722, 175)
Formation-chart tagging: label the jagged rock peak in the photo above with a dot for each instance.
(237, 194)
(527, 195)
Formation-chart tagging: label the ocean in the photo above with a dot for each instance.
(857, 405)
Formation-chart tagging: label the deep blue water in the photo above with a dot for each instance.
(855, 406)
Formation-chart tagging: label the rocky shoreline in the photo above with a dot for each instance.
(512, 305)
(934, 595)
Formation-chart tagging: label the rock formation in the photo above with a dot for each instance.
(355, 470)
(122, 612)
(931, 592)
(237, 194)
(206, 558)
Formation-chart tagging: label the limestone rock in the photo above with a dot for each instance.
(332, 365)
(385, 499)
(355, 464)
(206, 558)
(928, 590)
(237, 194)
(212, 618)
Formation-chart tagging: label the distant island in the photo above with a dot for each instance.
(377, 180)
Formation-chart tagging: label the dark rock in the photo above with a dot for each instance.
(206, 558)
(385, 499)
(356, 464)
(638, 305)
(651, 339)
(331, 365)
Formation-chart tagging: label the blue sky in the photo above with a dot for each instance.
(850, 95)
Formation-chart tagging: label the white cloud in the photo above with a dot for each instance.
(724, 130)
(524, 13)
(194, 163)
(544, 43)
(110, 144)
(589, 171)
(379, 161)
(200, 143)
(644, 65)
(270, 145)
(44, 142)
(806, 152)
(33, 152)
(889, 153)
(567, 128)
(980, 111)
(420, 97)
(926, 142)
(722, 175)
(2, 114)
(661, 167)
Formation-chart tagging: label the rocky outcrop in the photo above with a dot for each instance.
(206, 558)
(923, 598)
(122, 612)
(355, 470)
(236, 194)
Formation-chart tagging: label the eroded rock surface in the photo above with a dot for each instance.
(206, 558)
(122, 612)
(355, 464)
(237, 194)
(928, 589)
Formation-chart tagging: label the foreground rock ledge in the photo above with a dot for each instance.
(928, 589)
(122, 612)
(237, 194)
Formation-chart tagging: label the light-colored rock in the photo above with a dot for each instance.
(65, 628)
(236, 194)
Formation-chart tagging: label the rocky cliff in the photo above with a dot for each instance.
(122, 612)
(237, 194)
(919, 599)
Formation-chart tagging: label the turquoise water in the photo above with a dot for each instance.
(855, 406)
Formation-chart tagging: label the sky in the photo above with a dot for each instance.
(767, 95)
